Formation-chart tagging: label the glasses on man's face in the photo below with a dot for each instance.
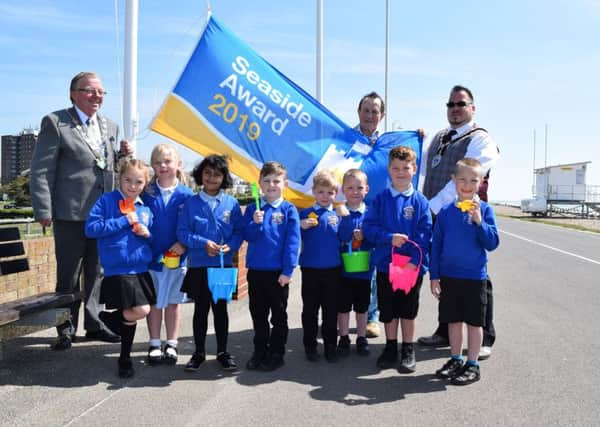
(460, 104)
(90, 91)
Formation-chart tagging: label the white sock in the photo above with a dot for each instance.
(172, 343)
(155, 342)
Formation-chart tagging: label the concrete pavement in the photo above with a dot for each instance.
(540, 372)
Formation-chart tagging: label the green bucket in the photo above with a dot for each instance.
(355, 262)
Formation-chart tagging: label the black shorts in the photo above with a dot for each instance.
(354, 293)
(396, 304)
(463, 300)
(127, 290)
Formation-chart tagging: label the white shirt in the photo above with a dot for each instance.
(481, 147)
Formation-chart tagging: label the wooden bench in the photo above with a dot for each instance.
(33, 313)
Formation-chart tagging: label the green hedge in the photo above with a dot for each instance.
(16, 213)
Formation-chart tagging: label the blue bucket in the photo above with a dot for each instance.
(222, 281)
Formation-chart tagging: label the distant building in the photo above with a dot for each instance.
(17, 151)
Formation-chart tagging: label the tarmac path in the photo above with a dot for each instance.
(543, 370)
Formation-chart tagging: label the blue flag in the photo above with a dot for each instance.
(229, 100)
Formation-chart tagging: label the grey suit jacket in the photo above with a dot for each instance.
(65, 178)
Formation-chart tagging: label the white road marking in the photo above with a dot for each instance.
(516, 236)
(90, 409)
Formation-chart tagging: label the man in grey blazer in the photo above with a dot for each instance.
(74, 162)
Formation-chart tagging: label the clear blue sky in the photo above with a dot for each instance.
(528, 63)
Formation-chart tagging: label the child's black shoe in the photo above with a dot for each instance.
(343, 347)
(125, 368)
(255, 361)
(467, 375)
(450, 369)
(155, 355)
(388, 358)
(275, 361)
(170, 355)
(227, 362)
(408, 361)
(195, 362)
(362, 346)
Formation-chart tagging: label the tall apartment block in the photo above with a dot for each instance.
(17, 151)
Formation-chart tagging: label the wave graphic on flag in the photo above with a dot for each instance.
(229, 100)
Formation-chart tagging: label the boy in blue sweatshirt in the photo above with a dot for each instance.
(463, 232)
(355, 288)
(321, 267)
(398, 214)
(272, 231)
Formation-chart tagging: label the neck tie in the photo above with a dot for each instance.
(448, 137)
(93, 133)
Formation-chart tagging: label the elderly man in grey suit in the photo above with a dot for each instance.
(74, 162)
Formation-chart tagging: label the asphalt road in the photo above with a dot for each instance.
(543, 370)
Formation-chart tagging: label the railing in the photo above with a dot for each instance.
(28, 226)
(574, 193)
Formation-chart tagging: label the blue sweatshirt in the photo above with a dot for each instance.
(320, 244)
(458, 248)
(273, 245)
(164, 226)
(198, 224)
(394, 212)
(346, 229)
(119, 249)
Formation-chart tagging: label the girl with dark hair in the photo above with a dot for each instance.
(209, 223)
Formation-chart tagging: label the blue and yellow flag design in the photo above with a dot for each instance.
(229, 100)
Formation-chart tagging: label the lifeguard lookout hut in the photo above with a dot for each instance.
(562, 190)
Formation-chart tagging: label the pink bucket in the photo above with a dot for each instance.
(400, 277)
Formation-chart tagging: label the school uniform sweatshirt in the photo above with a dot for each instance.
(320, 244)
(120, 250)
(346, 229)
(395, 212)
(273, 245)
(458, 248)
(198, 223)
(164, 226)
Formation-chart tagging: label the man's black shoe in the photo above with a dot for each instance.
(102, 335)
(408, 361)
(63, 342)
(271, 363)
(433, 341)
(312, 355)
(450, 369)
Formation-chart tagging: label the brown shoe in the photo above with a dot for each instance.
(373, 330)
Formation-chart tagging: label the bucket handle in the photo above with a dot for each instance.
(420, 253)
(221, 258)
(350, 247)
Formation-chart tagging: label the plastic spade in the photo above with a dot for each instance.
(127, 206)
(255, 194)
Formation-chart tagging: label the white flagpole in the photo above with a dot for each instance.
(387, 57)
(130, 114)
(320, 51)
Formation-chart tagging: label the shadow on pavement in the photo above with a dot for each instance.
(354, 380)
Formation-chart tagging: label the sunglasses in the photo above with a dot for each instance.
(460, 104)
